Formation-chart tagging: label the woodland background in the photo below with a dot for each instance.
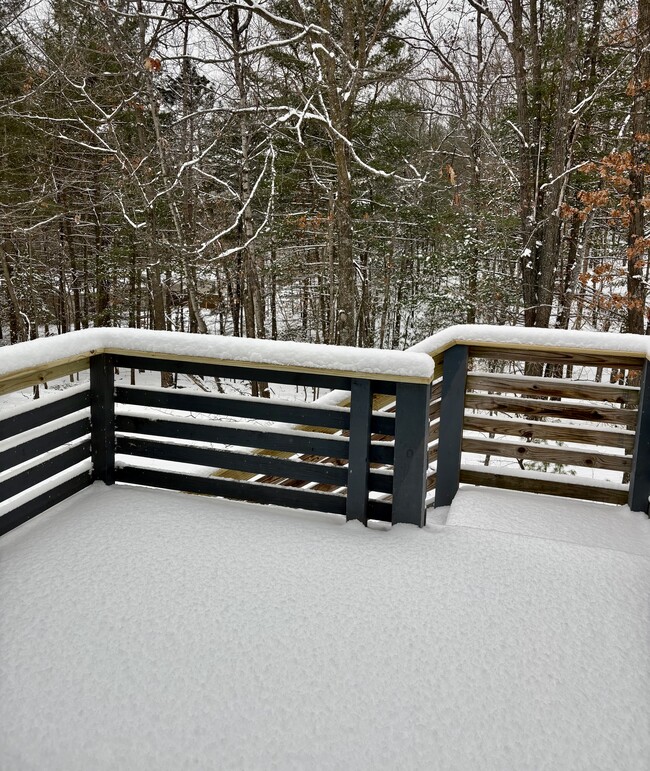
(359, 172)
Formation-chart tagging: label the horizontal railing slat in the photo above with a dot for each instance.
(553, 431)
(513, 405)
(380, 483)
(548, 454)
(553, 387)
(257, 464)
(383, 424)
(382, 453)
(246, 491)
(228, 488)
(382, 511)
(377, 482)
(48, 468)
(44, 413)
(308, 444)
(258, 409)
(44, 443)
(544, 486)
(607, 359)
(44, 501)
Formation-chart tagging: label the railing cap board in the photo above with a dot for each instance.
(531, 339)
(24, 378)
(46, 358)
(34, 355)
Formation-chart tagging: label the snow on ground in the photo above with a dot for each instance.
(543, 516)
(142, 629)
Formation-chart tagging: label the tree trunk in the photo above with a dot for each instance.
(638, 247)
(17, 331)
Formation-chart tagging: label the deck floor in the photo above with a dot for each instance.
(142, 629)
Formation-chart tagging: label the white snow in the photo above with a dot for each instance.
(274, 353)
(413, 363)
(142, 629)
(542, 516)
(520, 337)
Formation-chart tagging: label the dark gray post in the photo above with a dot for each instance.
(359, 452)
(411, 443)
(640, 474)
(102, 418)
(452, 412)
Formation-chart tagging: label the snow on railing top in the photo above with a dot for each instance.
(413, 365)
(267, 354)
(531, 338)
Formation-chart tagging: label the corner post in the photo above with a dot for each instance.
(411, 446)
(102, 418)
(640, 474)
(359, 450)
(452, 413)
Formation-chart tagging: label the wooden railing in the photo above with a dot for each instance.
(566, 424)
(374, 454)
(116, 434)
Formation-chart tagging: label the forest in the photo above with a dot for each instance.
(354, 172)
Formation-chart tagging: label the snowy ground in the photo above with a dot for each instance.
(142, 629)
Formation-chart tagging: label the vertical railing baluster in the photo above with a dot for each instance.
(102, 417)
(452, 413)
(411, 444)
(359, 452)
(640, 474)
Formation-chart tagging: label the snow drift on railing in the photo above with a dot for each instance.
(273, 353)
(414, 363)
(467, 334)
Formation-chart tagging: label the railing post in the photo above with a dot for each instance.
(640, 474)
(452, 413)
(411, 444)
(359, 451)
(102, 418)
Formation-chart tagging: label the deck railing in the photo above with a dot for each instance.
(401, 429)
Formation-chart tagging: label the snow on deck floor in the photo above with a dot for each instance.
(142, 629)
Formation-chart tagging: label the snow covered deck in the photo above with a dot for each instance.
(143, 629)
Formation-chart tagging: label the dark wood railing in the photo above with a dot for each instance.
(374, 455)
(366, 478)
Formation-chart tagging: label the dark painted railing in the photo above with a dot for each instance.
(370, 457)
(53, 439)
(114, 439)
